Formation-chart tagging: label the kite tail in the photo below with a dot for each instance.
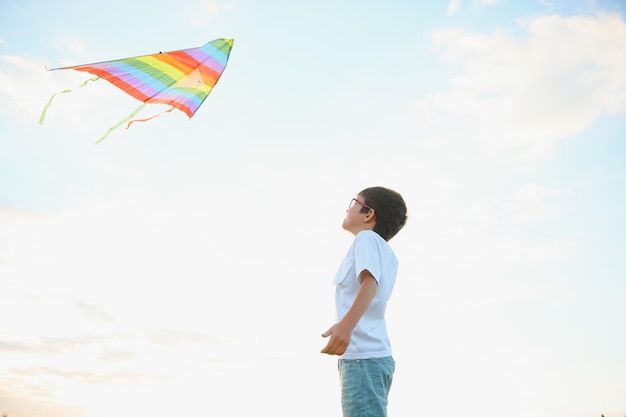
(149, 118)
(121, 122)
(45, 108)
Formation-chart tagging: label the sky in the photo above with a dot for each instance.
(184, 266)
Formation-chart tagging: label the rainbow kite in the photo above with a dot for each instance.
(182, 79)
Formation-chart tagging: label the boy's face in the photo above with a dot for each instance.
(355, 220)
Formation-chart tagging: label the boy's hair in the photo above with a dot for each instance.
(390, 208)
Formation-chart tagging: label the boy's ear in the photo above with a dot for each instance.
(370, 216)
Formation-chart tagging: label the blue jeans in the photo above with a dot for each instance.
(365, 385)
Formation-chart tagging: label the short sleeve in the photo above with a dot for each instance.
(367, 254)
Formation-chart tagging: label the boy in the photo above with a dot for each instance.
(364, 283)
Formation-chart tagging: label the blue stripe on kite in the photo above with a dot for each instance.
(209, 51)
(130, 74)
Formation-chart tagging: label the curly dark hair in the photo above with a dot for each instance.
(390, 209)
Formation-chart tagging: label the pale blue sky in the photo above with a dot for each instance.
(185, 266)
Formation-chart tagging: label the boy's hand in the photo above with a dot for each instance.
(339, 339)
(341, 332)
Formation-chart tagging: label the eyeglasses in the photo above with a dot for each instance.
(354, 200)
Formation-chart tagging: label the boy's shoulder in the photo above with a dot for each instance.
(369, 243)
(369, 236)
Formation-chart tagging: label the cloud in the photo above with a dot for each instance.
(555, 250)
(117, 356)
(88, 377)
(525, 94)
(533, 203)
(71, 45)
(453, 7)
(52, 345)
(20, 81)
(203, 12)
(26, 86)
(15, 347)
(175, 338)
(9, 216)
(94, 312)
(11, 220)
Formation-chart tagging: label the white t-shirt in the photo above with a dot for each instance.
(368, 251)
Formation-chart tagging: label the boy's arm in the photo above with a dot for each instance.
(341, 332)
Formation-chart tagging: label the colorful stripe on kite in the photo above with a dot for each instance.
(182, 79)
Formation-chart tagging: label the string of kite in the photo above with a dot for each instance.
(181, 79)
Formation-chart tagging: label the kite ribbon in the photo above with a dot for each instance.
(121, 122)
(149, 118)
(130, 116)
(45, 108)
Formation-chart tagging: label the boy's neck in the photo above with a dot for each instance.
(365, 226)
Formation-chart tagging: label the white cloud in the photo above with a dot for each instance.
(533, 203)
(203, 12)
(555, 250)
(21, 80)
(525, 94)
(71, 46)
(453, 7)
(26, 87)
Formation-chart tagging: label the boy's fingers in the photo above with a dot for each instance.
(333, 350)
(327, 350)
(328, 332)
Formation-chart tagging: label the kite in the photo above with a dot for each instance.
(181, 79)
